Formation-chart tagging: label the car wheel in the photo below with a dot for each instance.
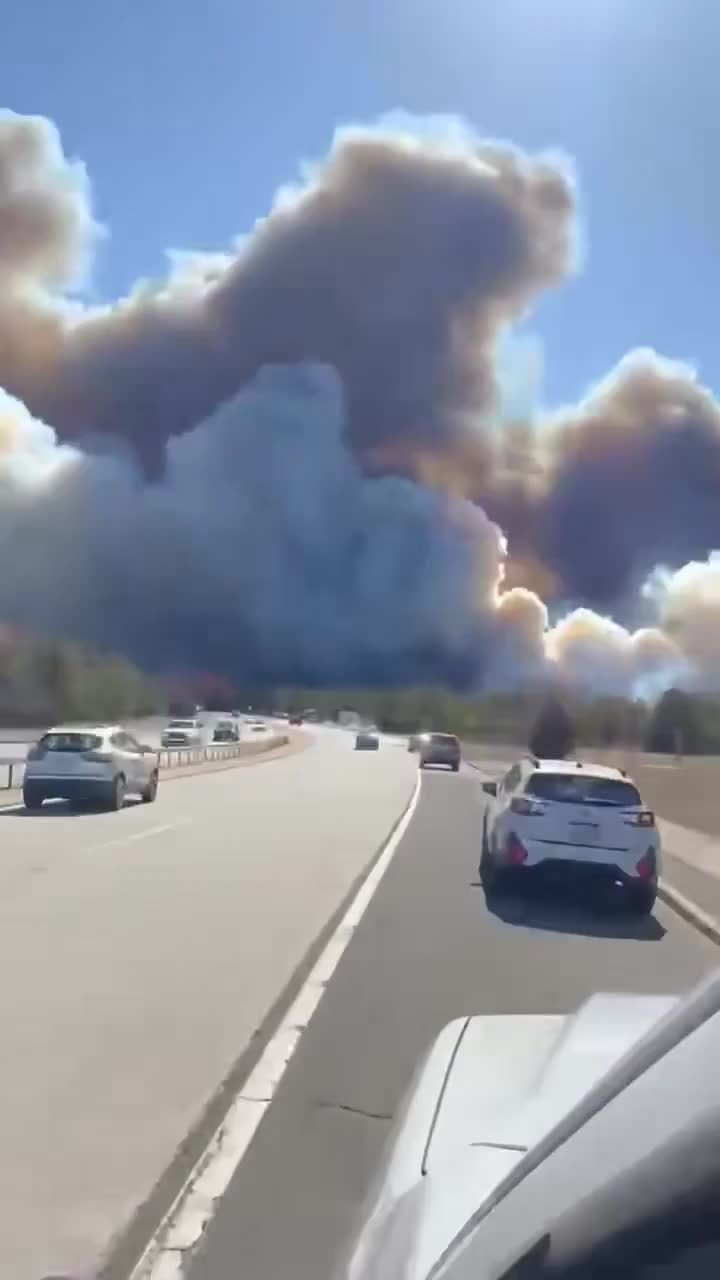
(642, 899)
(32, 798)
(150, 792)
(455, 768)
(117, 794)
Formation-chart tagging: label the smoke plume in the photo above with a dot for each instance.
(399, 261)
(334, 473)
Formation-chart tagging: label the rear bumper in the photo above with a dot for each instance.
(568, 873)
(452, 762)
(68, 788)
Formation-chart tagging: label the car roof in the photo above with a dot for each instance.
(577, 766)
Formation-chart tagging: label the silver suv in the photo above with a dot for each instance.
(103, 764)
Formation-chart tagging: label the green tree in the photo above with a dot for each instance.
(676, 724)
(552, 736)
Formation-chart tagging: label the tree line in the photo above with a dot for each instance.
(679, 722)
(44, 681)
(47, 681)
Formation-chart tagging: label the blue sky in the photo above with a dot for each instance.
(189, 115)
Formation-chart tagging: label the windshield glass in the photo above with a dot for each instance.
(444, 740)
(181, 724)
(582, 788)
(70, 742)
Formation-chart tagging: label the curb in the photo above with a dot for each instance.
(690, 911)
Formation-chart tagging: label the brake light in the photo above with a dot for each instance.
(644, 818)
(527, 808)
(645, 868)
(515, 850)
(97, 757)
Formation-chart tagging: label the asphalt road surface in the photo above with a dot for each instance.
(139, 954)
(428, 949)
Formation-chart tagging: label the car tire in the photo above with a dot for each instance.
(642, 899)
(117, 794)
(32, 798)
(149, 794)
(455, 768)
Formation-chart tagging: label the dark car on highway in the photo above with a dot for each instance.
(440, 748)
(226, 731)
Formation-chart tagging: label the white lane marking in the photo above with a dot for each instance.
(139, 835)
(170, 1250)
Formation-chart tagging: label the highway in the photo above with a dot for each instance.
(145, 958)
(139, 954)
(427, 950)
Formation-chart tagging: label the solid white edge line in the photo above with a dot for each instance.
(171, 1247)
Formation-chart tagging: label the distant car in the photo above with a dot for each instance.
(570, 822)
(296, 718)
(414, 742)
(100, 763)
(440, 748)
(367, 740)
(236, 715)
(182, 733)
(226, 731)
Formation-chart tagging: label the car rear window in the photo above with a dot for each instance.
(582, 788)
(444, 739)
(181, 724)
(70, 742)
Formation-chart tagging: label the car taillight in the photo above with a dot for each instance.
(527, 808)
(645, 868)
(644, 818)
(36, 753)
(97, 757)
(515, 850)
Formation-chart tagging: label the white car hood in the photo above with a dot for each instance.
(490, 1088)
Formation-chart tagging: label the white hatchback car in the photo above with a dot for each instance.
(567, 821)
(102, 763)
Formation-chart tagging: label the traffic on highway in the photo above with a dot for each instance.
(327, 1052)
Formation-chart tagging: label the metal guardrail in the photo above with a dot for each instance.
(12, 772)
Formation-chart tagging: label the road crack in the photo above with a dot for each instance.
(355, 1111)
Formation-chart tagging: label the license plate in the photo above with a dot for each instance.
(586, 833)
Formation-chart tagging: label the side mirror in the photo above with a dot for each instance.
(490, 788)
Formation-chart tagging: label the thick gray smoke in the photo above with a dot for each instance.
(265, 549)
(347, 521)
